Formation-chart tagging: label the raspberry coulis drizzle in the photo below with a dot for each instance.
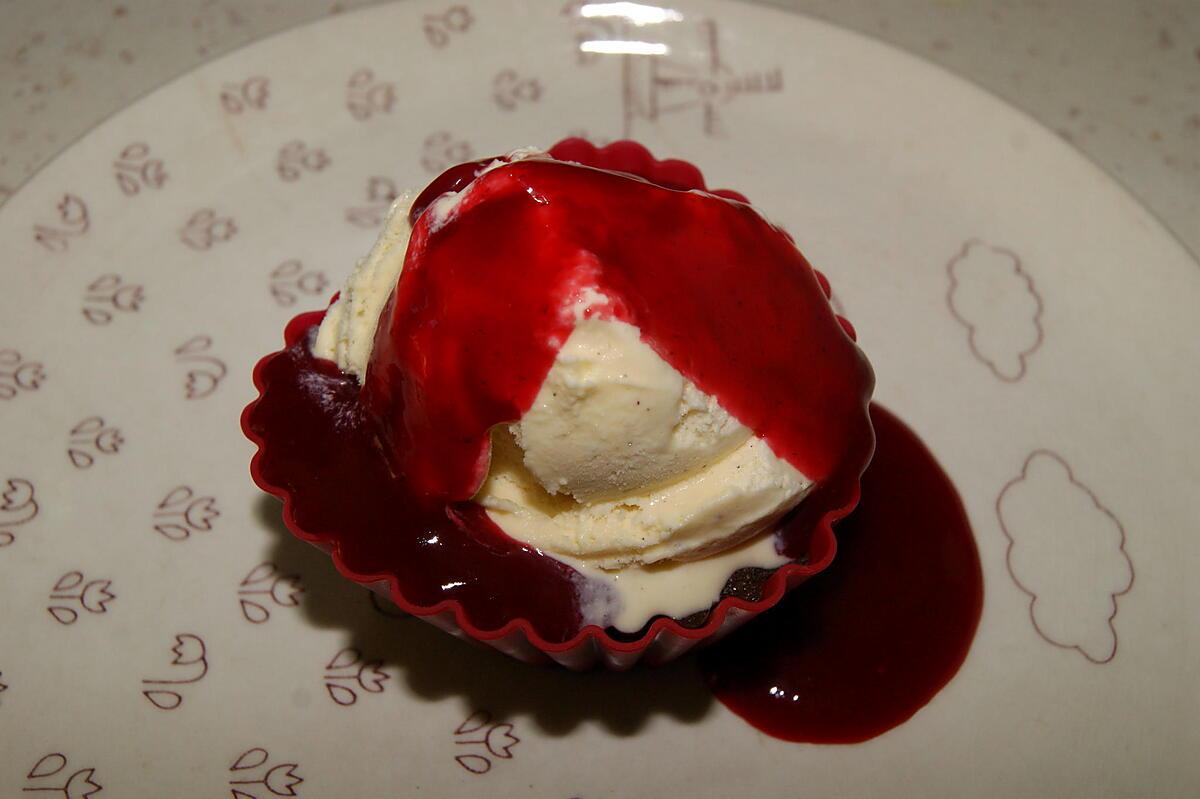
(469, 335)
(484, 301)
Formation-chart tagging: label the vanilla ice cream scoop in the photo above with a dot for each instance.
(613, 417)
(619, 461)
(622, 461)
(347, 333)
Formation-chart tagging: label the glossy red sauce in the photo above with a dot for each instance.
(483, 306)
(859, 648)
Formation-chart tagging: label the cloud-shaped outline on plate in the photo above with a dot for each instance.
(1053, 522)
(995, 299)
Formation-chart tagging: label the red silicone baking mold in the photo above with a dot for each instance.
(665, 638)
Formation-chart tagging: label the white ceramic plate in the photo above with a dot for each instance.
(1031, 321)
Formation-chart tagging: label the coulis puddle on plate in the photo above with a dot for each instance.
(859, 648)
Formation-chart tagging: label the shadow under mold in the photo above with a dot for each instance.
(437, 666)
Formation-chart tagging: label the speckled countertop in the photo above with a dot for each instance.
(1120, 80)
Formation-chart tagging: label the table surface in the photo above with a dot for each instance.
(1119, 80)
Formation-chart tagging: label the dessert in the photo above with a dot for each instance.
(573, 404)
